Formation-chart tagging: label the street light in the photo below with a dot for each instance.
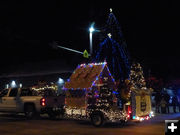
(60, 85)
(13, 84)
(20, 85)
(60, 81)
(91, 30)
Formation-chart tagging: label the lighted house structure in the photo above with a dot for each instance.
(84, 80)
(90, 88)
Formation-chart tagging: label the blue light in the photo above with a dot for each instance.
(134, 117)
(64, 88)
(115, 92)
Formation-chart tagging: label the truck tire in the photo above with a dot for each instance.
(97, 119)
(30, 111)
(52, 115)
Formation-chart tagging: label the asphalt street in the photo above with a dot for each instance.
(18, 125)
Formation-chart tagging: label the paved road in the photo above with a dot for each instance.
(18, 125)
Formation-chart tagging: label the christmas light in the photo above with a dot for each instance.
(45, 87)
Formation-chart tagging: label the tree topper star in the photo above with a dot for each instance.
(109, 35)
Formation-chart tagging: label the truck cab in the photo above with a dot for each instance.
(19, 100)
(31, 102)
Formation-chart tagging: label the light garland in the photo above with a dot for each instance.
(45, 87)
(92, 64)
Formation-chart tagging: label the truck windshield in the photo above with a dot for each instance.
(13, 92)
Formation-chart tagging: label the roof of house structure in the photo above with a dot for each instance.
(85, 76)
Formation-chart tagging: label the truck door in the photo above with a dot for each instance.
(3, 94)
(10, 100)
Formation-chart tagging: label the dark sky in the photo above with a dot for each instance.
(151, 30)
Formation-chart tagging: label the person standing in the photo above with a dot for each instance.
(179, 103)
(174, 103)
(157, 100)
(163, 105)
(167, 98)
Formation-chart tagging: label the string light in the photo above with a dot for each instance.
(45, 87)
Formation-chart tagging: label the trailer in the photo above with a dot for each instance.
(90, 93)
(141, 104)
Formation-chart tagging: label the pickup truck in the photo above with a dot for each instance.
(31, 102)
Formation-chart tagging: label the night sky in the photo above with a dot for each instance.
(151, 30)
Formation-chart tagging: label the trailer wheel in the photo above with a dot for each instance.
(30, 111)
(122, 123)
(97, 119)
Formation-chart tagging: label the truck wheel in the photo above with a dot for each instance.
(97, 119)
(30, 111)
(52, 115)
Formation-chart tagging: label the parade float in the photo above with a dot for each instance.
(91, 94)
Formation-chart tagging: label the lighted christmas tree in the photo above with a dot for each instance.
(137, 77)
(113, 49)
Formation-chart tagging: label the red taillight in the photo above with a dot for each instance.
(147, 118)
(129, 111)
(42, 102)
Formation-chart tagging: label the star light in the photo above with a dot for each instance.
(109, 35)
(110, 10)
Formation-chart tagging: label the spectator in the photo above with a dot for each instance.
(179, 103)
(174, 103)
(167, 98)
(157, 100)
(163, 105)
